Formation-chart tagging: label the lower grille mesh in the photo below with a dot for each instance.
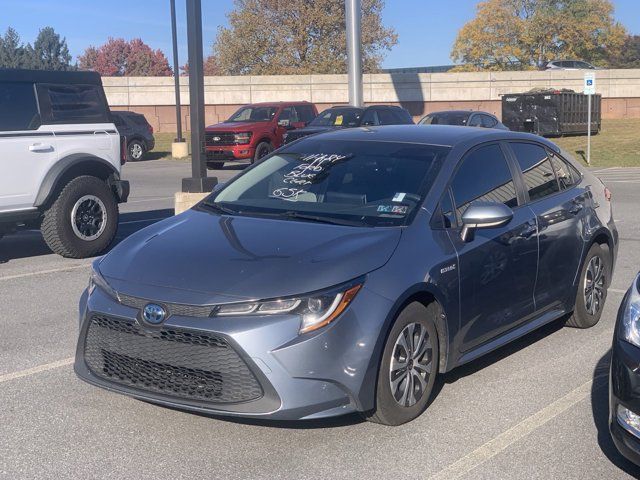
(176, 362)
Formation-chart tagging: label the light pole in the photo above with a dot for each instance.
(354, 52)
(176, 72)
(199, 182)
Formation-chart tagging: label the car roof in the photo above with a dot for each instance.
(277, 104)
(445, 135)
(45, 76)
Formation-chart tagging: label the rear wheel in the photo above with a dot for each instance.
(408, 367)
(83, 220)
(592, 288)
(263, 149)
(135, 150)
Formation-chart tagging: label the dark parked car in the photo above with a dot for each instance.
(463, 118)
(138, 132)
(345, 271)
(348, 117)
(624, 398)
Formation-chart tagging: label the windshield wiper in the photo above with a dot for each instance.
(292, 214)
(219, 208)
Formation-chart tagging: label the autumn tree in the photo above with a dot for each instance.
(270, 37)
(210, 67)
(629, 57)
(523, 34)
(119, 57)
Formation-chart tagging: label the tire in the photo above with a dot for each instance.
(263, 149)
(590, 301)
(394, 405)
(135, 150)
(215, 165)
(87, 236)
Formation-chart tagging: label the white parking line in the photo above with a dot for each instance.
(616, 290)
(153, 199)
(501, 442)
(44, 272)
(32, 371)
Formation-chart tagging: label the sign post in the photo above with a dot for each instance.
(589, 91)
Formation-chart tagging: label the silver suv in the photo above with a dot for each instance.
(60, 160)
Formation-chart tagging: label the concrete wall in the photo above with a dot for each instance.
(419, 93)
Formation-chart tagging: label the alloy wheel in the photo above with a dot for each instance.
(88, 217)
(594, 285)
(135, 150)
(411, 364)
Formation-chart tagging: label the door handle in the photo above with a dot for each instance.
(41, 147)
(527, 231)
(576, 208)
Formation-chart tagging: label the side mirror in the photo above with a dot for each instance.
(284, 123)
(484, 215)
(218, 186)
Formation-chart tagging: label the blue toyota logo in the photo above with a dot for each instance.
(153, 313)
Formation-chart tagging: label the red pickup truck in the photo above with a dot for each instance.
(254, 131)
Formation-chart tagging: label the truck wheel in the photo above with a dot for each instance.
(135, 151)
(263, 148)
(83, 220)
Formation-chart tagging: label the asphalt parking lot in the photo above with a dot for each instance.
(535, 409)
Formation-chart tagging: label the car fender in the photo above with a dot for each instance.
(70, 167)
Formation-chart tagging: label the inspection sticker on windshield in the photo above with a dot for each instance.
(397, 209)
(398, 197)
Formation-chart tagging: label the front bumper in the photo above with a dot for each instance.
(326, 373)
(624, 390)
(229, 153)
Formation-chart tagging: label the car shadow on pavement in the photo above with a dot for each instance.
(330, 422)
(29, 243)
(600, 411)
(499, 354)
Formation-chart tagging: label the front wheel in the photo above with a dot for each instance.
(592, 288)
(408, 367)
(83, 220)
(263, 149)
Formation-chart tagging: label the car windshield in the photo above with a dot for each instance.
(338, 117)
(363, 183)
(446, 118)
(253, 114)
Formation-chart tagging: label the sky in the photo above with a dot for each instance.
(426, 28)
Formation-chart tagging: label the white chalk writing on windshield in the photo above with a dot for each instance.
(305, 173)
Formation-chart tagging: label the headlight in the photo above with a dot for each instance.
(315, 311)
(631, 315)
(96, 280)
(242, 138)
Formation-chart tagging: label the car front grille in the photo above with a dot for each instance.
(219, 139)
(181, 363)
(171, 308)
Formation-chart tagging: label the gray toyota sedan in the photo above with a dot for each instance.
(345, 271)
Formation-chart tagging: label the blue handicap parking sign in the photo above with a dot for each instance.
(589, 82)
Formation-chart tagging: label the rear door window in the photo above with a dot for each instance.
(488, 122)
(18, 107)
(475, 121)
(305, 113)
(483, 175)
(288, 113)
(370, 117)
(72, 104)
(386, 117)
(566, 173)
(536, 168)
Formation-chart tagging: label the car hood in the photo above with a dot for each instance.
(202, 258)
(236, 126)
(301, 132)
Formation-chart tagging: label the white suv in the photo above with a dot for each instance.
(60, 160)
